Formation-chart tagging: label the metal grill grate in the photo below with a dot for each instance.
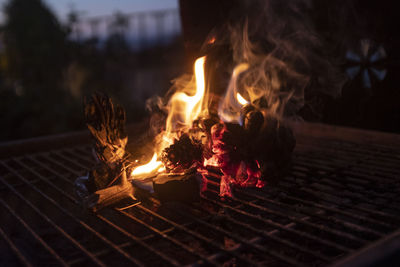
(339, 196)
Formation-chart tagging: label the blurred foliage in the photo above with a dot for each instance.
(33, 58)
(33, 38)
(45, 70)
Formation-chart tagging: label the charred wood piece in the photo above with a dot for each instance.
(183, 187)
(106, 124)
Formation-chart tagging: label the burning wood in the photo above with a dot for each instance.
(247, 143)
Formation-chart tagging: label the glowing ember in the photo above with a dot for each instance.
(213, 161)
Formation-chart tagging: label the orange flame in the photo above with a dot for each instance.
(183, 110)
(145, 170)
(232, 102)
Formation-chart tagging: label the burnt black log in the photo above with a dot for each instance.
(177, 187)
(272, 142)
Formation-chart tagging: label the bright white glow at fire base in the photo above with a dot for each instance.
(151, 166)
(241, 100)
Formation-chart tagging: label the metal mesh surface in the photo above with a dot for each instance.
(338, 197)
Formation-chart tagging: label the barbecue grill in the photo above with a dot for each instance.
(338, 205)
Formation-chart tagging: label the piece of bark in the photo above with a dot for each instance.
(111, 195)
(177, 187)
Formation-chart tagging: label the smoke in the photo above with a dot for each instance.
(268, 52)
(277, 40)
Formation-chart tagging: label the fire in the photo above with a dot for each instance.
(231, 104)
(152, 166)
(183, 110)
(212, 40)
(218, 140)
(213, 161)
(241, 100)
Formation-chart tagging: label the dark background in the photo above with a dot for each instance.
(45, 70)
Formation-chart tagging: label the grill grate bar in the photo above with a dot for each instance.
(350, 148)
(66, 235)
(387, 165)
(323, 162)
(17, 185)
(357, 242)
(338, 247)
(72, 199)
(305, 212)
(327, 193)
(268, 235)
(64, 211)
(335, 170)
(258, 247)
(325, 228)
(376, 234)
(153, 229)
(100, 253)
(14, 248)
(342, 189)
(339, 183)
(277, 239)
(137, 240)
(276, 255)
(335, 210)
(188, 231)
(370, 161)
(289, 261)
(339, 166)
(338, 196)
(169, 238)
(352, 227)
(28, 228)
